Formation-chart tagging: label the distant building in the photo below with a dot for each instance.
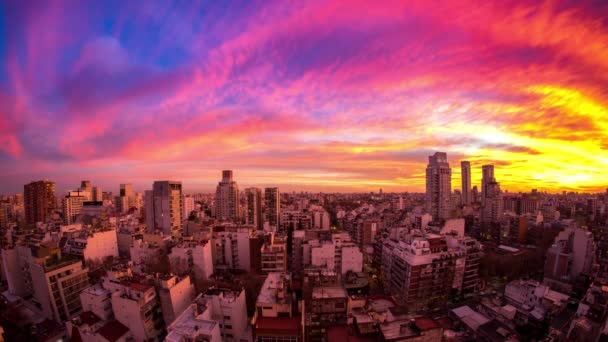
(493, 207)
(438, 186)
(164, 208)
(487, 176)
(72, 205)
(227, 198)
(465, 171)
(126, 199)
(39, 201)
(189, 206)
(272, 206)
(253, 207)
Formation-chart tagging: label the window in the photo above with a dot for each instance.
(339, 305)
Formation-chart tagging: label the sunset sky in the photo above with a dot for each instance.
(306, 95)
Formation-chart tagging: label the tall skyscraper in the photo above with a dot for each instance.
(227, 198)
(487, 176)
(39, 201)
(253, 214)
(164, 207)
(465, 170)
(438, 186)
(272, 206)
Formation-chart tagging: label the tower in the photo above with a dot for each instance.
(272, 206)
(487, 176)
(253, 214)
(39, 201)
(164, 207)
(465, 170)
(227, 198)
(438, 186)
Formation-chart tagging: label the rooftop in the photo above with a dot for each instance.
(113, 330)
(329, 292)
(470, 317)
(96, 290)
(283, 324)
(189, 324)
(273, 285)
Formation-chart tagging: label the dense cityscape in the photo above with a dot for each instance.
(304, 171)
(456, 263)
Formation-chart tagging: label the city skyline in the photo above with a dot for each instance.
(332, 97)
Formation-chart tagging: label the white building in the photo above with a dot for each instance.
(93, 246)
(144, 253)
(192, 256)
(175, 296)
(195, 324)
(230, 309)
(97, 300)
(135, 305)
(189, 206)
(231, 247)
(352, 259)
(72, 205)
(274, 299)
(53, 281)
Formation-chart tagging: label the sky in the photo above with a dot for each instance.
(307, 95)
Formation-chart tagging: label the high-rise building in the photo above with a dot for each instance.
(465, 169)
(86, 185)
(126, 190)
(253, 211)
(50, 281)
(97, 195)
(72, 205)
(493, 207)
(487, 176)
(164, 207)
(126, 199)
(438, 186)
(39, 201)
(227, 198)
(272, 206)
(189, 206)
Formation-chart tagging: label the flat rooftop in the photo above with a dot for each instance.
(273, 282)
(329, 292)
(187, 325)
